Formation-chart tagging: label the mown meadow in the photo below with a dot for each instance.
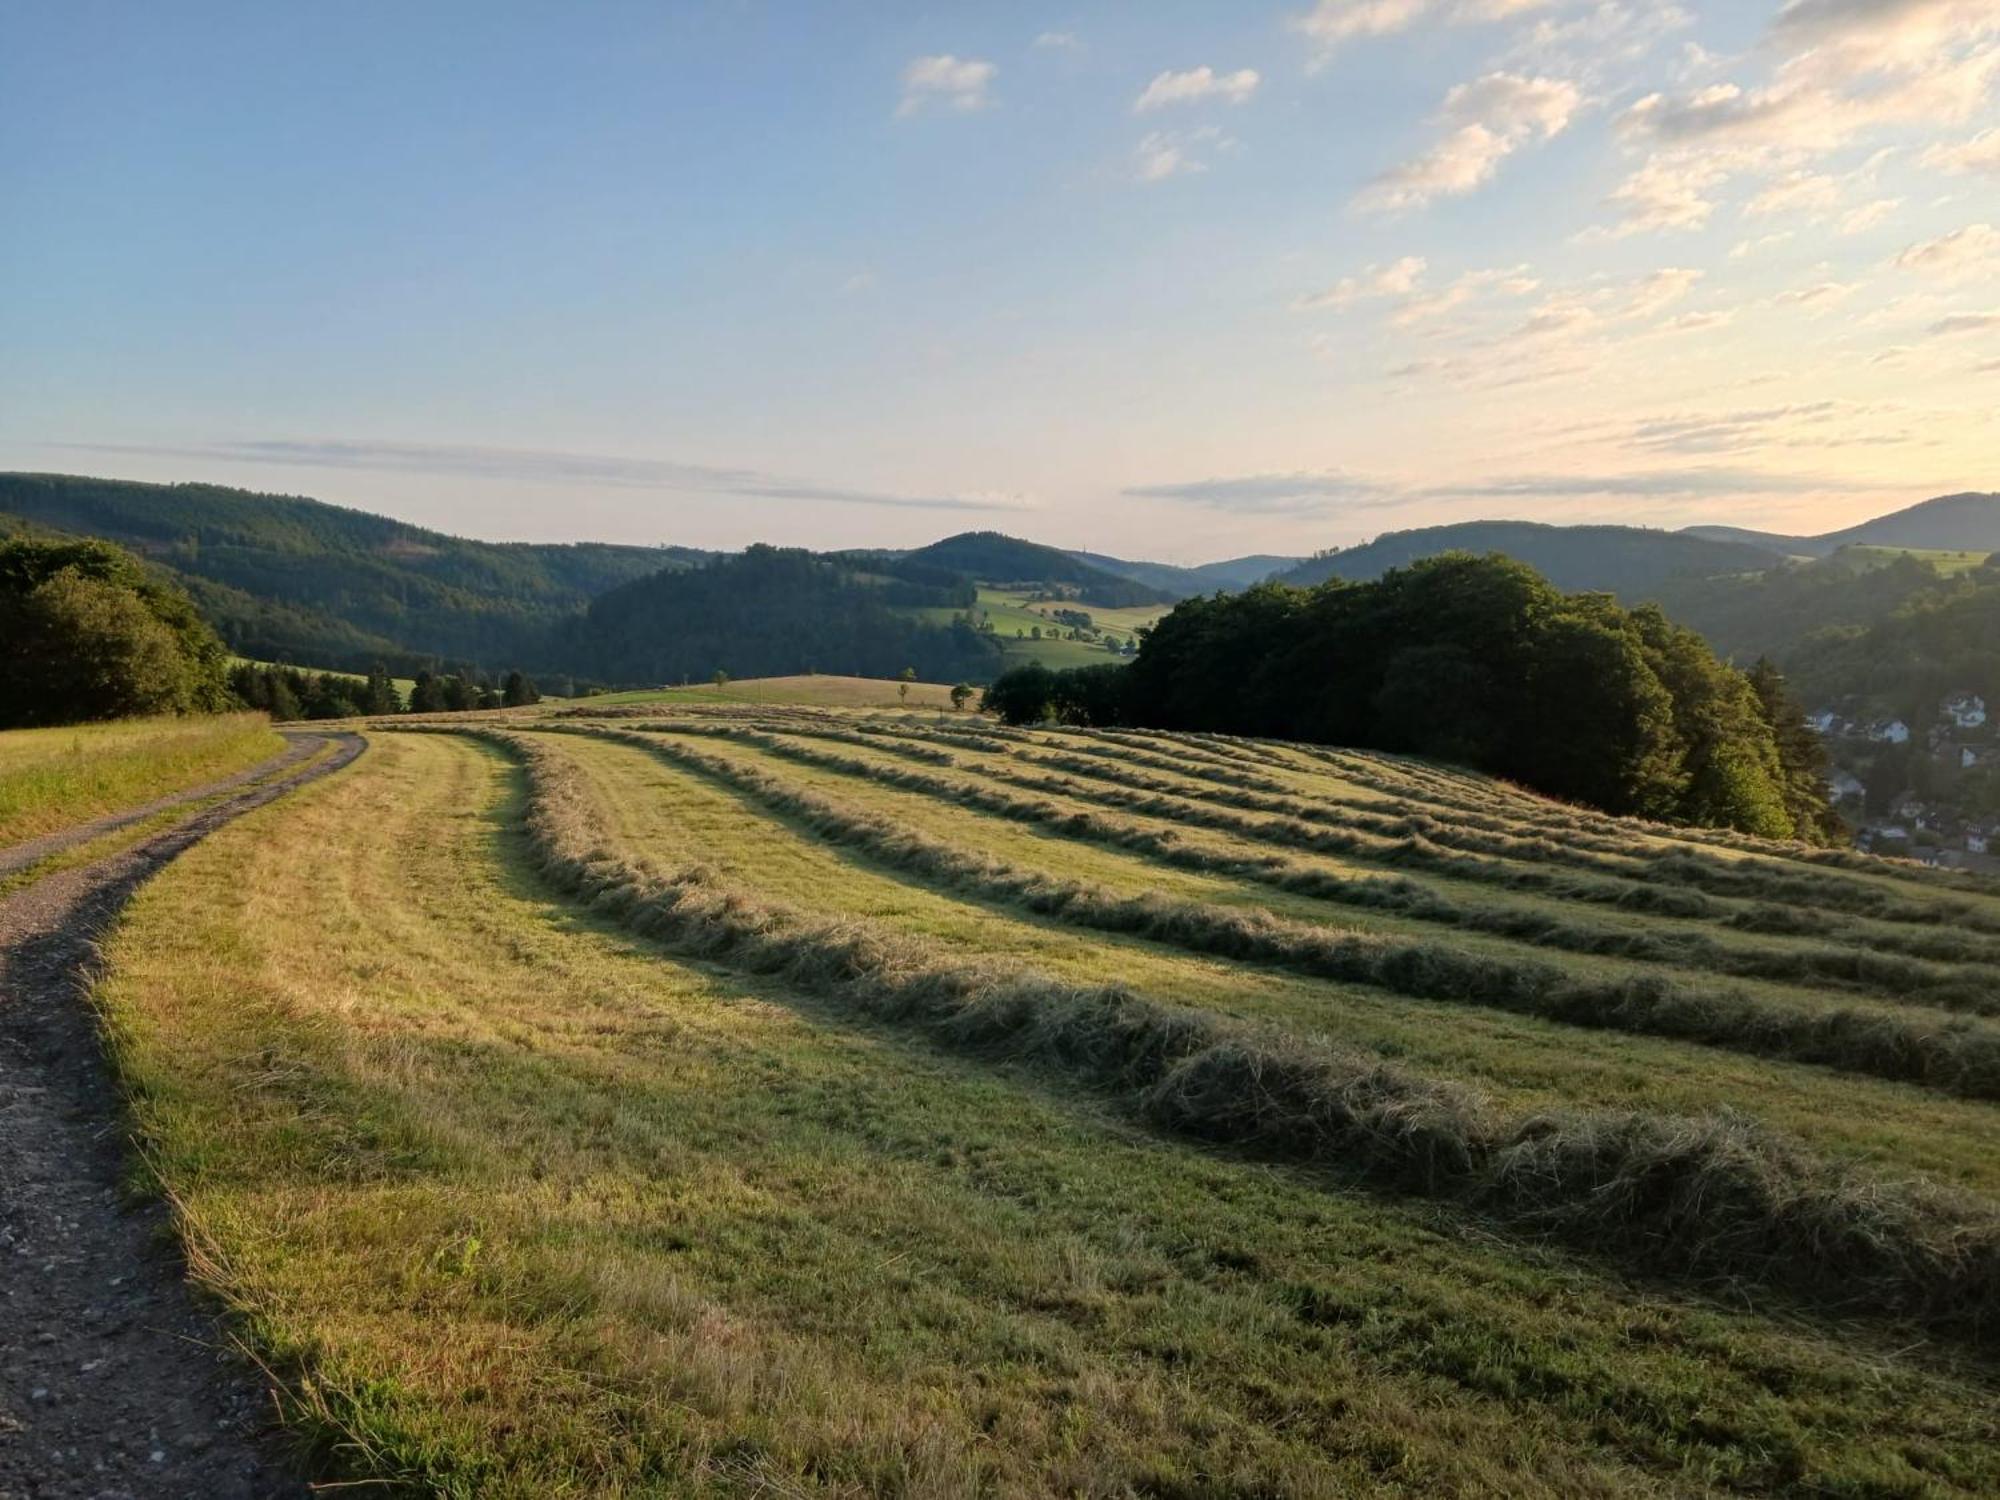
(743, 1098)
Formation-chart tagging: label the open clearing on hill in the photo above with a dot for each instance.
(746, 1098)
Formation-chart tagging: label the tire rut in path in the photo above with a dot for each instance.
(113, 1382)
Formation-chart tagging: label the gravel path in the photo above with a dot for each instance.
(112, 1382)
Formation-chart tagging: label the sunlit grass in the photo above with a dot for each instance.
(522, 1206)
(51, 779)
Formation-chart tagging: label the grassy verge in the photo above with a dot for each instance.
(138, 832)
(52, 779)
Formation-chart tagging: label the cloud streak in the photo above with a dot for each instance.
(522, 465)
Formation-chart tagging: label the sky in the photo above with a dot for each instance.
(1168, 280)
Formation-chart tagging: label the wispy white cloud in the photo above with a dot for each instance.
(1964, 254)
(1864, 218)
(958, 83)
(540, 466)
(1277, 494)
(1194, 86)
(1959, 323)
(1058, 41)
(1981, 153)
(1163, 154)
(1758, 245)
(1396, 279)
(1666, 192)
(1330, 24)
(1488, 120)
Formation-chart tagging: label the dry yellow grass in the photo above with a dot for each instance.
(52, 779)
(525, 1207)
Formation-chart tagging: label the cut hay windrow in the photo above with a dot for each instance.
(1864, 968)
(1570, 820)
(1954, 1058)
(1717, 1200)
(1882, 961)
(1624, 855)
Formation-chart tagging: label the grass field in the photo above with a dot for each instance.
(52, 779)
(1946, 563)
(1014, 614)
(751, 1097)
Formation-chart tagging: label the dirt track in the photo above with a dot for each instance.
(112, 1382)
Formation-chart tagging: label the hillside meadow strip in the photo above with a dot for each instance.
(55, 779)
(654, 811)
(519, 1204)
(1154, 826)
(1879, 957)
(1716, 1198)
(1894, 921)
(1960, 1058)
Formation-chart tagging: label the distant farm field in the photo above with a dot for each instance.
(817, 690)
(1015, 615)
(709, 1093)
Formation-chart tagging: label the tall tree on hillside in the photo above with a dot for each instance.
(1802, 760)
(426, 695)
(379, 695)
(88, 632)
(519, 691)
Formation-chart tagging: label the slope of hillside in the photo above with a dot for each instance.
(1968, 522)
(990, 557)
(1184, 582)
(1625, 560)
(284, 576)
(768, 612)
(780, 1101)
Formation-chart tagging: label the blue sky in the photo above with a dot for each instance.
(1174, 280)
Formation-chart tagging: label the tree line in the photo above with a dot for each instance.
(288, 693)
(88, 631)
(1478, 661)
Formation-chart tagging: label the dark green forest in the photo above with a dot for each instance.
(88, 632)
(1629, 561)
(768, 612)
(1479, 661)
(286, 578)
(997, 559)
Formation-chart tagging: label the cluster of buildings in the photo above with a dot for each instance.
(1913, 789)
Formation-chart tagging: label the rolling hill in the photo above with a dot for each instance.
(1205, 578)
(768, 612)
(1968, 522)
(989, 557)
(287, 578)
(1629, 561)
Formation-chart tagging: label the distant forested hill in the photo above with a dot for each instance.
(1941, 638)
(283, 577)
(993, 558)
(767, 612)
(1950, 523)
(1183, 583)
(1774, 612)
(1628, 561)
